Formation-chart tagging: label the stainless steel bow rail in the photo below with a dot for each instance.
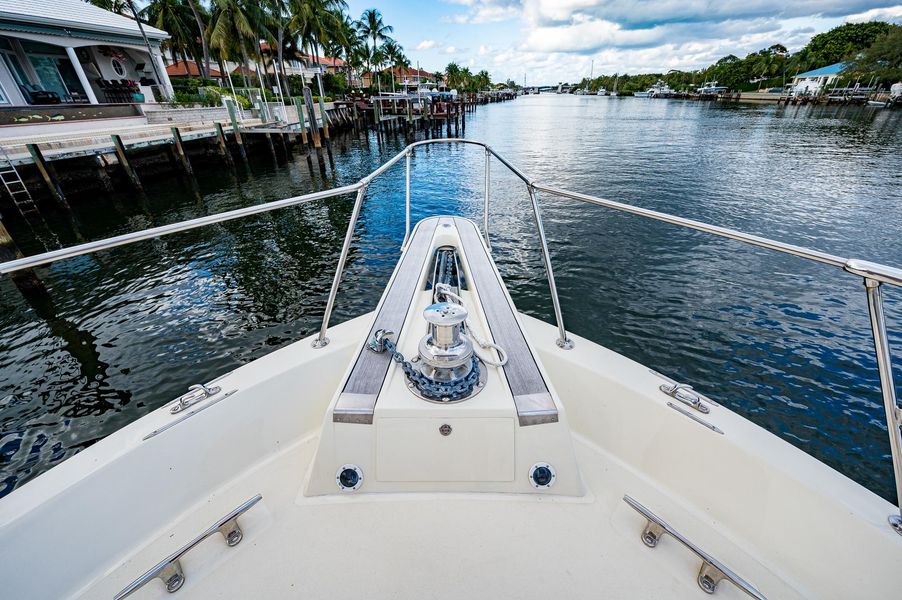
(872, 274)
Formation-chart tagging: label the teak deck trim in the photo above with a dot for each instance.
(533, 401)
(357, 401)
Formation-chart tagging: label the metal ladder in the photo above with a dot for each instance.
(14, 185)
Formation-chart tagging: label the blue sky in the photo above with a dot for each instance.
(558, 40)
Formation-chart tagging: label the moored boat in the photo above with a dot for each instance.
(447, 432)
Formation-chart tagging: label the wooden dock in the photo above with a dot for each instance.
(108, 156)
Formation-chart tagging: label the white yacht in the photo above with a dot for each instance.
(446, 445)
(658, 90)
(601, 92)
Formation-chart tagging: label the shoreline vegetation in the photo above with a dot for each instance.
(872, 52)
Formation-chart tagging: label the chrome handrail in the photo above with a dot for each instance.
(872, 274)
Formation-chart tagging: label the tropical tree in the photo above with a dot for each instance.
(883, 59)
(482, 81)
(371, 26)
(394, 56)
(119, 7)
(453, 75)
(317, 22)
(843, 42)
(235, 27)
(352, 47)
(199, 19)
(174, 17)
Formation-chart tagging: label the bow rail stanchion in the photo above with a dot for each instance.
(485, 203)
(873, 274)
(321, 340)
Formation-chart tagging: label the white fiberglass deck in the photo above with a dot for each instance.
(461, 520)
(786, 523)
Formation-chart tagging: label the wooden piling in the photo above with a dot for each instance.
(102, 176)
(126, 165)
(180, 151)
(272, 147)
(324, 116)
(48, 173)
(26, 280)
(223, 146)
(314, 126)
(299, 106)
(230, 104)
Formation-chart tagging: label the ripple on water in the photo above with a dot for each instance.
(783, 342)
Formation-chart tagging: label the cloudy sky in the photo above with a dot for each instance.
(548, 41)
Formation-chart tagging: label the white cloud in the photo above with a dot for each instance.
(425, 45)
(893, 14)
(485, 11)
(554, 40)
(551, 12)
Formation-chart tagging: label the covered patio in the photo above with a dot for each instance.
(55, 52)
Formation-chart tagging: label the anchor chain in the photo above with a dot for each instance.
(444, 392)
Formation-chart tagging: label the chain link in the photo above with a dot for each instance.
(437, 390)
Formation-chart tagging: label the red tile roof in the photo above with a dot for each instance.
(406, 72)
(189, 69)
(328, 61)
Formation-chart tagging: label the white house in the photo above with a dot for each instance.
(71, 52)
(812, 82)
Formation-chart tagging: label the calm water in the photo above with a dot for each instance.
(781, 341)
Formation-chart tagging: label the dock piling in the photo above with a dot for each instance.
(126, 165)
(180, 151)
(48, 174)
(230, 104)
(223, 146)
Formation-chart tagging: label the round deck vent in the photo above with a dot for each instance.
(349, 478)
(542, 475)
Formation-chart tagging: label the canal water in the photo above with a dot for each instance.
(784, 342)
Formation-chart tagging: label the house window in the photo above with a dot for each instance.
(117, 67)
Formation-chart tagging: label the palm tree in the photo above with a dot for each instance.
(350, 45)
(482, 80)
(175, 18)
(371, 26)
(120, 7)
(394, 55)
(203, 37)
(315, 21)
(453, 75)
(234, 27)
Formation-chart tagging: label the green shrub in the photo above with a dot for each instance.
(186, 98)
(191, 85)
(295, 85)
(211, 95)
(243, 101)
(335, 83)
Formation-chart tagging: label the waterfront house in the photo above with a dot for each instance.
(811, 83)
(72, 52)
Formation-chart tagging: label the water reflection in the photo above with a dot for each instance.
(781, 341)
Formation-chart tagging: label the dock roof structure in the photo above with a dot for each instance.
(834, 69)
